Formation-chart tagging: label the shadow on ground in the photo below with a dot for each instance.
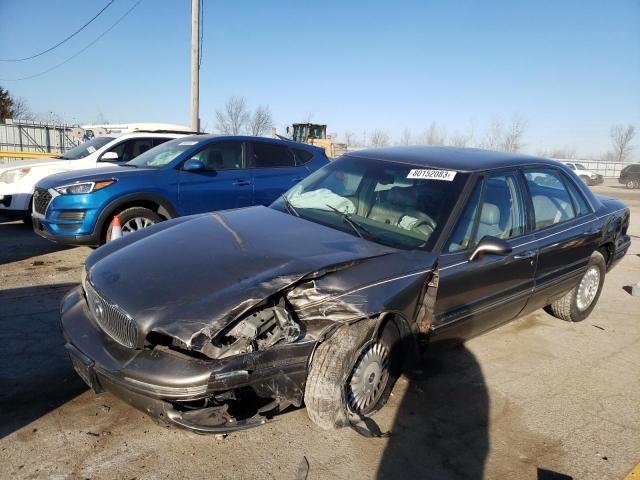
(441, 428)
(35, 374)
(19, 242)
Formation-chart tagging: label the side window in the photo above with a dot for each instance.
(578, 198)
(221, 156)
(138, 146)
(302, 156)
(551, 201)
(502, 213)
(571, 166)
(160, 140)
(270, 155)
(461, 237)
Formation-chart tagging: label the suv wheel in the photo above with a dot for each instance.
(577, 304)
(630, 184)
(133, 219)
(351, 374)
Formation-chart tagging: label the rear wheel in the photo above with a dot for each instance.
(630, 184)
(577, 304)
(351, 374)
(134, 219)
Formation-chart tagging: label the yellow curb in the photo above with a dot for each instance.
(634, 474)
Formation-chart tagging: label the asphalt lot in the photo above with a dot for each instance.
(537, 399)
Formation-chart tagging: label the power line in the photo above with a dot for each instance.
(59, 43)
(78, 52)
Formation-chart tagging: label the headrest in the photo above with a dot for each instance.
(490, 214)
(402, 196)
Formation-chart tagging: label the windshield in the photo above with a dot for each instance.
(85, 149)
(390, 203)
(164, 154)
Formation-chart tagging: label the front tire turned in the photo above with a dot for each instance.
(133, 219)
(352, 374)
(577, 304)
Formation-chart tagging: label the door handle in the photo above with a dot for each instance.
(525, 255)
(241, 183)
(296, 180)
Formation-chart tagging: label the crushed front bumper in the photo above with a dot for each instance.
(166, 384)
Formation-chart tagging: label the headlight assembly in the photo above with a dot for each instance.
(83, 187)
(13, 175)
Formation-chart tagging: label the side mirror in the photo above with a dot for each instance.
(109, 157)
(493, 245)
(193, 165)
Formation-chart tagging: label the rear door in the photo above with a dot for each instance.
(474, 296)
(274, 170)
(565, 233)
(224, 183)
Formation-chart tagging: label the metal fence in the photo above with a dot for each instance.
(606, 169)
(38, 137)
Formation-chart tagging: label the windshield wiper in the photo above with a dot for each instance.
(358, 228)
(290, 208)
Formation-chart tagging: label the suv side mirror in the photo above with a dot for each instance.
(193, 165)
(109, 157)
(493, 245)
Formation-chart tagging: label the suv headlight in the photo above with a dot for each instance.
(83, 187)
(13, 175)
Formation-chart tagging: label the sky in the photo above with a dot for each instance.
(570, 68)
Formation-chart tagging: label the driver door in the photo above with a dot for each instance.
(480, 294)
(224, 183)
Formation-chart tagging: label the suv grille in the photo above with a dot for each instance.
(41, 199)
(113, 321)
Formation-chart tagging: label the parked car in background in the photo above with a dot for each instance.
(214, 322)
(587, 176)
(18, 179)
(630, 176)
(189, 175)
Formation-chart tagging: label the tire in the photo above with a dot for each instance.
(572, 306)
(26, 218)
(630, 184)
(149, 217)
(585, 179)
(328, 392)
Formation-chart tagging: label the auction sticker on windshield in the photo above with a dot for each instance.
(446, 175)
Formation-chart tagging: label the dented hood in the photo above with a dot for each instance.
(195, 276)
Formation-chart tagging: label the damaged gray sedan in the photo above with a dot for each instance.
(216, 322)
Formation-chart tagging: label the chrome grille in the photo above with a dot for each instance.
(113, 320)
(41, 199)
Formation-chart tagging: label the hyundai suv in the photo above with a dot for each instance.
(193, 174)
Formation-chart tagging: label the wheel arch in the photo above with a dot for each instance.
(150, 200)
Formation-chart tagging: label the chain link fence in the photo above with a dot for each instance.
(36, 137)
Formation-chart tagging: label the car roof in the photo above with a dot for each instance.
(247, 138)
(452, 158)
(142, 134)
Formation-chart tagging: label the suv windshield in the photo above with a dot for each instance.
(164, 154)
(399, 205)
(85, 149)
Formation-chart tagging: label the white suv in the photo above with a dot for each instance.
(18, 179)
(587, 176)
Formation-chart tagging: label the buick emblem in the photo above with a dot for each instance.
(98, 310)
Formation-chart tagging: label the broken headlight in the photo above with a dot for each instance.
(255, 332)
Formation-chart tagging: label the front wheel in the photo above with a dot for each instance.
(134, 219)
(577, 304)
(352, 375)
(585, 179)
(630, 184)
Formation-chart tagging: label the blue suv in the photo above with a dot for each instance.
(189, 175)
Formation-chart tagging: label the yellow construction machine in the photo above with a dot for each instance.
(316, 134)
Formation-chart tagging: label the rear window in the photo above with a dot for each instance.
(270, 155)
(302, 156)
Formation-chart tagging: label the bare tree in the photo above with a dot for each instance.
(493, 135)
(434, 135)
(379, 138)
(261, 121)
(405, 138)
(21, 110)
(512, 141)
(565, 153)
(233, 118)
(621, 138)
(349, 138)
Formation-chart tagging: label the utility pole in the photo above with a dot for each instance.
(195, 65)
